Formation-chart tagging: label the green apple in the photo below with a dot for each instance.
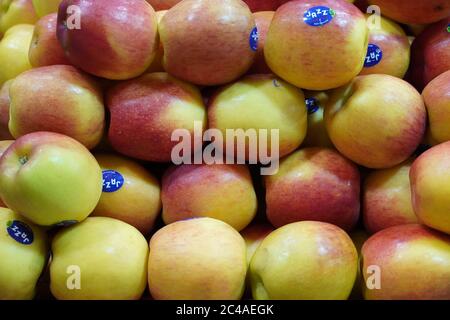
(99, 258)
(44, 7)
(50, 178)
(23, 255)
(14, 12)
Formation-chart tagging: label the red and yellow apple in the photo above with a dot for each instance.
(314, 184)
(13, 12)
(387, 198)
(197, 259)
(437, 101)
(262, 20)
(208, 42)
(145, 112)
(50, 179)
(429, 177)
(130, 193)
(410, 261)
(306, 260)
(116, 39)
(221, 191)
(59, 99)
(377, 120)
(304, 45)
(45, 49)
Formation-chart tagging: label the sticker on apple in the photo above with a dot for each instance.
(254, 38)
(112, 181)
(318, 16)
(312, 105)
(374, 56)
(20, 232)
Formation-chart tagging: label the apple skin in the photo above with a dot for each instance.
(112, 257)
(327, 184)
(377, 121)
(138, 201)
(146, 110)
(197, 46)
(4, 111)
(197, 259)
(430, 56)
(14, 48)
(60, 180)
(317, 135)
(414, 262)
(264, 5)
(395, 47)
(110, 45)
(44, 7)
(262, 20)
(63, 100)
(387, 198)
(224, 192)
(163, 4)
(437, 100)
(22, 264)
(16, 12)
(429, 179)
(291, 262)
(45, 49)
(263, 102)
(417, 11)
(288, 45)
(3, 146)
(253, 236)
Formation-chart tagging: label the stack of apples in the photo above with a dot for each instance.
(93, 205)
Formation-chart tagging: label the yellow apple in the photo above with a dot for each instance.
(304, 260)
(130, 192)
(50, 178)
(14, 51)
(14, 12)
(44, 7)
(99, 258)
(197, 259)
(23, 255)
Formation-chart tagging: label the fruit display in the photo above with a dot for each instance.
(246, 150)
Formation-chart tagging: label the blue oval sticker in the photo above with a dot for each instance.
(254, 38)
(374, 55)
(312, 104)
(112, 181)
(318, 16)
(20, 232)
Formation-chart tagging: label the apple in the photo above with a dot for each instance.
(264, 5)
(44, 7)
(59, 99)
(4, 111)
(23, 252)
(389, 50)
(145, 111)
(45, 49)
(387, 198)
(197, 259)
(208, 42)
(162, 4)
(14, 51)
(306, 260)
(377, 120)
(316, 135)
(262, 102)
(109, 257)
(437, 100)
(412, 263)
(304, 43)
(130, 193)
(50, 179)
(221, 191)
(262, 20)
(157, 63)
(429, 179)
(13, 12)
(253, 236)
(417, 11)
(327, 184)
(430, 56)
(116, 39)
